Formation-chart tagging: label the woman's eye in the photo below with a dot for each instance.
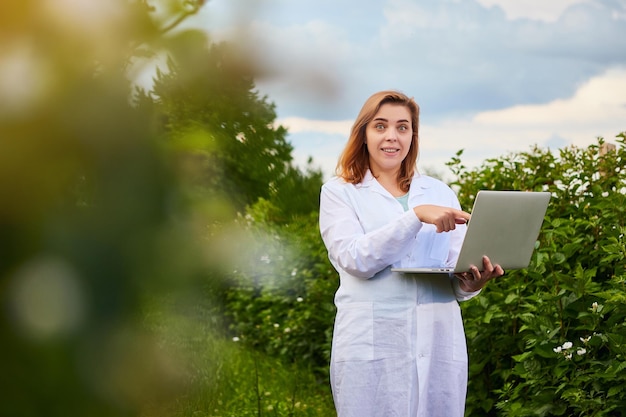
(379, 126)
(403, 128)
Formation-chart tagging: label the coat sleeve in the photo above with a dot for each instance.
(460, 294)
(358, 253)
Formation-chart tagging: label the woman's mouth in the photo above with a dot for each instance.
(390, 150)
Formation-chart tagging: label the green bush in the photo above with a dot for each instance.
(281, 302)
(550, 339)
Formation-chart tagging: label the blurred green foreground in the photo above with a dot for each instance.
(114, 200)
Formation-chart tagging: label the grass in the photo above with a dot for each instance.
(220, 377)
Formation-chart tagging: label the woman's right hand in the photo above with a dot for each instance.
(444, 218)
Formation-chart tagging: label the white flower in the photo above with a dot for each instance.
(235, 339)
(294, 272)
(557, 349)
(287, 330)
(568, 356)
(581, 351)
(276, 325)
(299, 299)
(594, 306)
(585, 339)
(567, 345)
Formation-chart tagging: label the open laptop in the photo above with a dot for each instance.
(504, 226)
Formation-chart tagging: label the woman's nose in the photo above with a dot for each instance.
(392, 133)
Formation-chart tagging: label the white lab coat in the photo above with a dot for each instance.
(398, 345)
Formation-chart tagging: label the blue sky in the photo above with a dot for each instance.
(491, 76)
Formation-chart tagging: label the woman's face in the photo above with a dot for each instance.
(388, 137)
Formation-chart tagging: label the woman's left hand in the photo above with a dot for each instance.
(474, 279)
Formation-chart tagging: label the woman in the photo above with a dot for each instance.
(398, 343)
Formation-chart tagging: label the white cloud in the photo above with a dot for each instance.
(300, 124)
(492, 76)
(598, 108)
(321, 139)
(599, 104)
(302, 66)
(545, 10)
(321, 59)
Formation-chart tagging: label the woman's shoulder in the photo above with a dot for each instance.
(337, 182)
(335, 185)
(334, 181)
(426, 181)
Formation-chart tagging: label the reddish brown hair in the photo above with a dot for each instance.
(354, 160)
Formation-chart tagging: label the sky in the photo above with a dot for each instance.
(491, 77)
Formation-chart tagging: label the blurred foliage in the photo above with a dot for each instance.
(86, 224)
(106, 206)
(206, 93)
(224, 133)
(551, 339)
(282, 303)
